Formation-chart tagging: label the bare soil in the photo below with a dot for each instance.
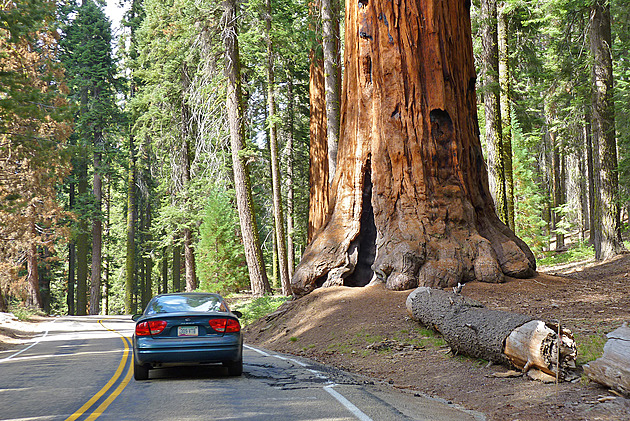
(367, 331)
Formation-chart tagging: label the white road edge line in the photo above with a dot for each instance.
(345, 402)
(251, 348)
(329, 388)
(28, 347)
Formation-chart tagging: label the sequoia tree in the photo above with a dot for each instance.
(411, 204)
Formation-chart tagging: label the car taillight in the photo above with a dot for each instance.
(152, 327)
(225, 325)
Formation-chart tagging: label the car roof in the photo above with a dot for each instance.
(171, 294)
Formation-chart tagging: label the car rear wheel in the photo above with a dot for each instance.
(140, 372)
(235, 368)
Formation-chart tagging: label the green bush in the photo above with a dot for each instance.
(259, 307)
(221, 257)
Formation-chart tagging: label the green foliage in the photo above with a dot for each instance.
(529, 198)
(221, 257)
(259, 307)
(590, 347)
(576, 253)
(22, 312)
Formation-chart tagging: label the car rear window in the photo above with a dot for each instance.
(177, 303)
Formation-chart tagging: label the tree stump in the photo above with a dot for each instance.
(613, 368)
(499, 336)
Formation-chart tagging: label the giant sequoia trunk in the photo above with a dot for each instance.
(411, 204)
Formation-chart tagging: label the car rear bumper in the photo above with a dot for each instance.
(165, 351)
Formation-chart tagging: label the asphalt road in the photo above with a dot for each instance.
(80, 368)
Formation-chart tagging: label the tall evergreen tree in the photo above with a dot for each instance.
(90, 68)
(33, 134)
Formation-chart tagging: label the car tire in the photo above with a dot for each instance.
(140, 372)
(235, 368)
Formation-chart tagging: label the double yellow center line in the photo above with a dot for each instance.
(125, 363)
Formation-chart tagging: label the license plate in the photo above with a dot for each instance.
(187, 331)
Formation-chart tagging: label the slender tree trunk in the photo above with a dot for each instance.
(44, 280)
(506, 110)
(177, 268)
(107, 258)
(491, 99)
(82, 244)
(3, 302)
(290, 195)
(71, 259)
(275, 162)
(32, 278)
(604, 131)
(164, 270)
(131, 227)
(244, 200)
(557, 190)
(146, 258)
(330, 44)
(97, 230)
(189, 261)
(588, 138)
(185, 157)
(583, 190)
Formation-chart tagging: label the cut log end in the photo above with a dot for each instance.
(535, 345)
(498, 336)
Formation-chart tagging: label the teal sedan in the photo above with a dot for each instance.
(186, 329)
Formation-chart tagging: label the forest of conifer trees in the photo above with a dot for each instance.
(193, 147)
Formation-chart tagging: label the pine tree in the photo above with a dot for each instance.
(90, 68)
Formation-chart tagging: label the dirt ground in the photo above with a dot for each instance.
(367, 331)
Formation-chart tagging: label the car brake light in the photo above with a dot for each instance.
(225, 325)
(152, 327)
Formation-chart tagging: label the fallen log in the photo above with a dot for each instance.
(498, 336)
(613, 368)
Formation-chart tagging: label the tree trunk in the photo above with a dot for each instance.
(319, 194)
(604, 131)
(189, 261)
(82, 244)
(146, 258)
(164, 270)
(131, 227)
(592, 223)
(505, 75)
(557, 189)
(72, 258)
(413, 203)
(32, 278)
(177, 268)
(613, 368)
(330, 44)
(290, 195)
(97, 229)
(3, 302)
(492, 105)
(185, 160)
(470, 328)
(583, 189)
(275, 162)
(242, 186)
(107, 258)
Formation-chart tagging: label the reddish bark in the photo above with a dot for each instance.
(411, 204)
(318, 169)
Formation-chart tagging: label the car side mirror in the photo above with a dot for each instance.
(135, 317)
(237, 313)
